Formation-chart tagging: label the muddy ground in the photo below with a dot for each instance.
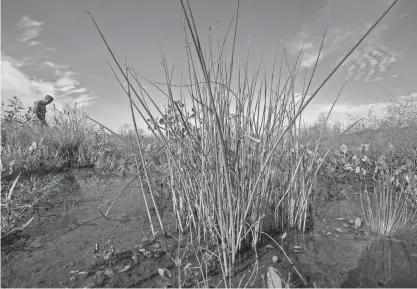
(58, 249)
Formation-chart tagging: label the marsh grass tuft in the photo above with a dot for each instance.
(389, 210)
(233, 143)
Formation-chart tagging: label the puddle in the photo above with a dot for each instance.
(63, 238)
(336, 254)
(386, 263)
(60, 245)
(335, 244)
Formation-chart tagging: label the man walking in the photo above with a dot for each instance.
(39, 110)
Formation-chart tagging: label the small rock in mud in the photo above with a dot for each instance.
(125, 269)
(109, 272)
(145, 239)
(156, 246)
(358, 223)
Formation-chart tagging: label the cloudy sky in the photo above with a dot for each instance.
(52, 47)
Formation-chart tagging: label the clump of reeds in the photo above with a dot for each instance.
(232, 143)
(388, 209)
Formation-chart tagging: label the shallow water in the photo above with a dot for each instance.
(387, 263)
(333, 254)
(63, 239)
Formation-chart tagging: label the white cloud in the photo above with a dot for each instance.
(12, 79)
(374, 61)
(53, 65)
(41, 87)
(310, 58)
(297, 44)
(335, 43)
(65, 89)
(382, 64)
(384, 48)
(32, 28)
(359, 75)
(360, 110)
(57, 68)
(66, 81)
(375, 79)
(78, 90)
(375, 52)
(352, 67)
(341, 110)
(342, 34)
(25, 61)
(15, 82)
(375, 33)
(84, 100)
(34, 43)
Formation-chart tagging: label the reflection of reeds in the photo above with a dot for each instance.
(20, 199)
(387, 209)
(386, 262)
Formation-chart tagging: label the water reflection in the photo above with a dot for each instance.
(386, 263)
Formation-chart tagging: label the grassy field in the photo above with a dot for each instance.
(234, 170)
